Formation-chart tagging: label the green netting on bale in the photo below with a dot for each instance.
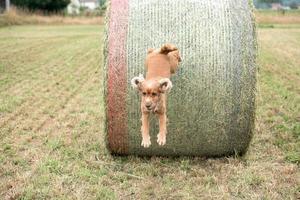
(212, 103)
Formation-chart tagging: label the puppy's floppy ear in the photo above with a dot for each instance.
(165, 85)
(136, 82)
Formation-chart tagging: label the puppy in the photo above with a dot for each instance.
(160, 65)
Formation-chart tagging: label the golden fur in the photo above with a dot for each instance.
(160, 64)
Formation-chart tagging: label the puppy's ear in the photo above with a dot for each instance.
(137, 81)
(165, 85)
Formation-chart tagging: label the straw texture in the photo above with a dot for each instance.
(212, 104)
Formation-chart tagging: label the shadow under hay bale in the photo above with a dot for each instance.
(211, 107)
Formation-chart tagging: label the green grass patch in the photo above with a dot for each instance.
(280, 86)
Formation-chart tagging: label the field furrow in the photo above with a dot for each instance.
(47, 86)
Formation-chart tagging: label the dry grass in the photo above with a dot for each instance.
(278, 17)
(51, 119)
(18, 17)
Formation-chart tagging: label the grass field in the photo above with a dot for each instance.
(270, 17)
(51, 126)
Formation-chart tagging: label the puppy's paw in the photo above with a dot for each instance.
(161, 139)
(146, 142)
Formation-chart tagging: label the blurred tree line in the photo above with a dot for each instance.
(293, 4)
(269, 1)
(43, 5)
(50, 5)
(102, 3)
(279, 1)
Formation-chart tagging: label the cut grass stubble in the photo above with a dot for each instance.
(51, 119)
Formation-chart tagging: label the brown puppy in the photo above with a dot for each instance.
(160, 64)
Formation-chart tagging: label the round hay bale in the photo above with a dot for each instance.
(211, 106)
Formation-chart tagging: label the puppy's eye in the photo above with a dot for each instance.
(154, 94)
(144, 93)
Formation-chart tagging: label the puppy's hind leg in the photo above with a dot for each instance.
(145, 130)
(161, 137)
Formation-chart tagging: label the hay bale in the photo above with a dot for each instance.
(212, 104)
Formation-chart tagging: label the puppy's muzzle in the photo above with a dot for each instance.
(148, 107)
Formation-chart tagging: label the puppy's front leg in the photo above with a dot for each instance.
(161, 137)
(145, 130)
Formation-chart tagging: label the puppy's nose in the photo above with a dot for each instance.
(148, 106)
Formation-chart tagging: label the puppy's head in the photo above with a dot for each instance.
(151, 90)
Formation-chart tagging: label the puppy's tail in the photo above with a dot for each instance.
(167, 48)
(172, 51)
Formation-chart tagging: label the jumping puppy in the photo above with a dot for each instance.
(160, 64)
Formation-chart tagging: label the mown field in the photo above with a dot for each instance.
(51, 126)
(271, 17)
